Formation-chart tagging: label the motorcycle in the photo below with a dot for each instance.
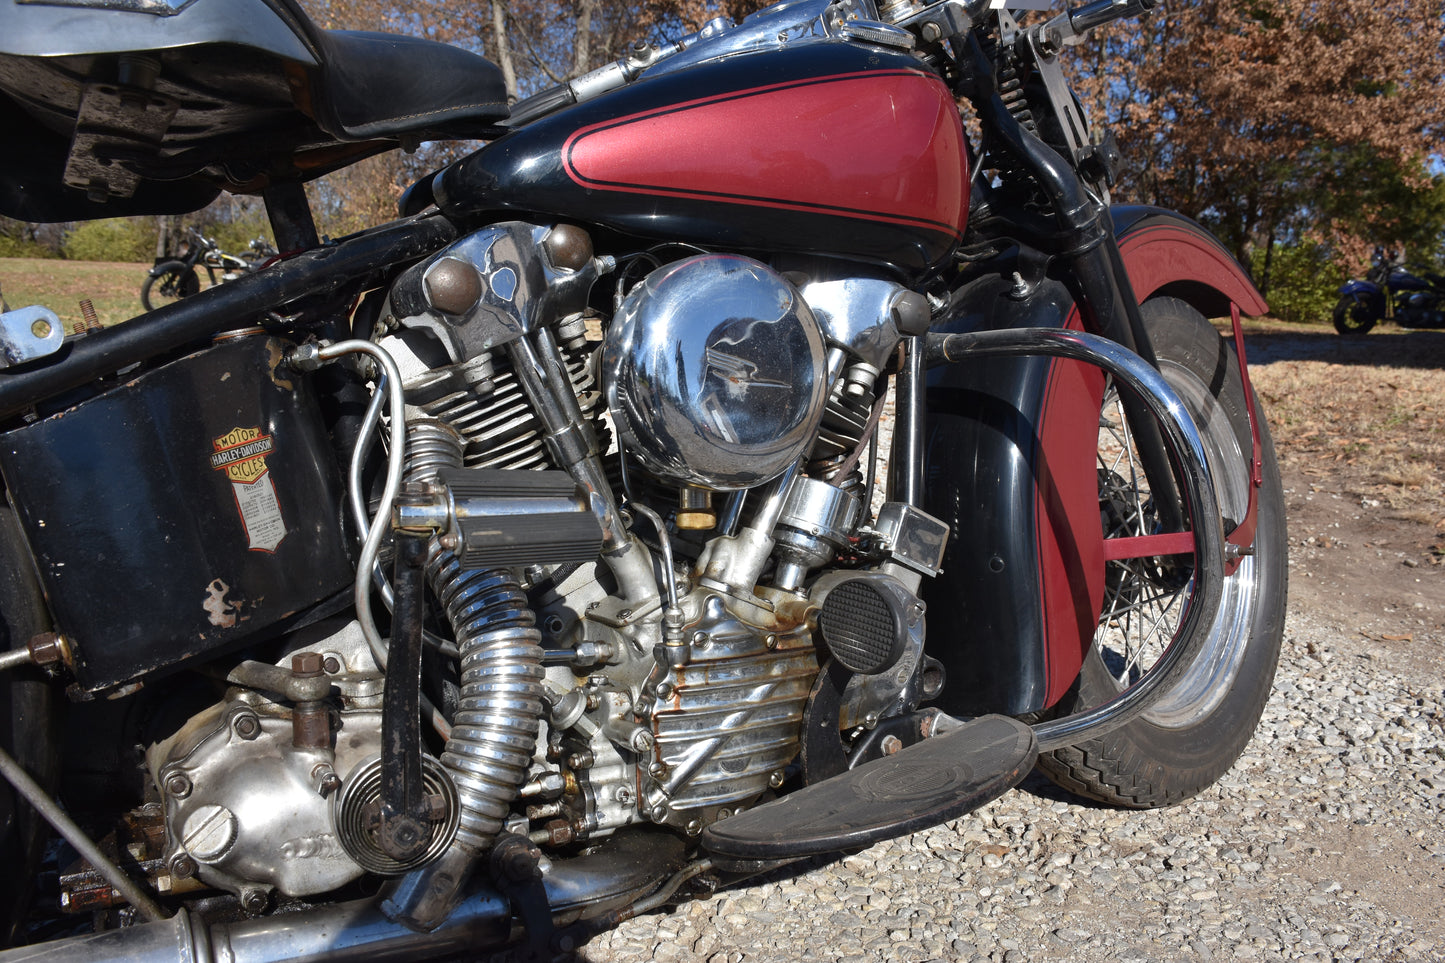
(530, 562)
(1389, 292)
(175, 278)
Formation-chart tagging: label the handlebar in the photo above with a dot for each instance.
(1072, 26)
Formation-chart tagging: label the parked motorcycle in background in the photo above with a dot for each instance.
(524, 564)
(1389, 292)
(175, 278)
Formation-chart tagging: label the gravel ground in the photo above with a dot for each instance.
(1325, 842)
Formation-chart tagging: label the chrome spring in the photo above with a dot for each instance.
(431, 444)
(494, 730)
(844, 421)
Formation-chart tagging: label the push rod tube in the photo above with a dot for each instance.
(1137, 378)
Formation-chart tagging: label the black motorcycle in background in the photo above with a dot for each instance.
(1389, 292)
(175, 278)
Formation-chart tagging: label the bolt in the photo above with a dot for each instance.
(307, 665)
(326, 779)
(560, 832)
(253, 901)
(331, 664)
(777, 778)
(694, 827)
(891, 744)
(624, 795)
(658, 813)
(772, 641)
(247, 726)
(642, 741)
(183, 866)
(932, 32)
(658, 770)
(87, 312)
(178, 785)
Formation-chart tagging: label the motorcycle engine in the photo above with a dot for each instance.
(677, 698)
(1420, 309)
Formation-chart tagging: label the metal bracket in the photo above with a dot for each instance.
(27, 334)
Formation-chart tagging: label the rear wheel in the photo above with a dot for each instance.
(169, 282)
(1354, 315)
(1197, 729)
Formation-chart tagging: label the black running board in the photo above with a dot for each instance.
(923, 785)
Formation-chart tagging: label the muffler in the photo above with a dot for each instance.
(622, 871)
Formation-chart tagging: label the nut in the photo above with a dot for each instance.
(48, 648)
(246, 726)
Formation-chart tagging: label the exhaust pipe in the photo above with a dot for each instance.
(627, 868)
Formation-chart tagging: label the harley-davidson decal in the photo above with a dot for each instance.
(241, 454)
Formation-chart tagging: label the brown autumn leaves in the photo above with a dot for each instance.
(1265, 118)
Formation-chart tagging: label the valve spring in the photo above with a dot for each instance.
(844, 421)
(431, 444)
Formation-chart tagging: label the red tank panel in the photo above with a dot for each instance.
(882, 145)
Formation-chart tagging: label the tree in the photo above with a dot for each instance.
(1251, 116)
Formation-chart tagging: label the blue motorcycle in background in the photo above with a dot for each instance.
(1389, 292)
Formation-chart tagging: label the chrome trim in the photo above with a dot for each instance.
(1187, 446)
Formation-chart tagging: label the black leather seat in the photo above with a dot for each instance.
(220, 112)
(384, 85)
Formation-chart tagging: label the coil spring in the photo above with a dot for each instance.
(1015, 99)
(494, 730)
(842, 427)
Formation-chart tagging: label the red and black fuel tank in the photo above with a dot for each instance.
(829, 148)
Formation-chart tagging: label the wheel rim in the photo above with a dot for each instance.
(1146, 599)
(1356, 316)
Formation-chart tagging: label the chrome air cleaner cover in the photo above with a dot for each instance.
(715, 372)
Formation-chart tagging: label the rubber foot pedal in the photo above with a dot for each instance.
(923, 785)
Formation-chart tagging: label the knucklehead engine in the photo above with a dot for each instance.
(617, 631)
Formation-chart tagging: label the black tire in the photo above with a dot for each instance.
(1200, 727)
(1354, 315)
(168, 281)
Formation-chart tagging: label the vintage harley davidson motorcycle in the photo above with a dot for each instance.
(488, 577)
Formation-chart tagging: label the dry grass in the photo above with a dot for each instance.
(113, 288)
(1367, 413)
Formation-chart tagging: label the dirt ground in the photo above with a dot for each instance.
(1359, 425)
